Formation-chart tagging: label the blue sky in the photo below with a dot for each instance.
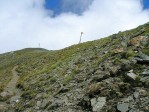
(56, 6)
(57, 24)
(146, 4)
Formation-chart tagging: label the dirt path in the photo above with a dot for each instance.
(11, 92)
(11, 87)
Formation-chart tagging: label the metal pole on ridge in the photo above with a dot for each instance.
(80, 37)
(39, 45)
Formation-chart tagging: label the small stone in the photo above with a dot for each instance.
(105, 52)
(147, 109)
(1, 107)
(136, 95)
(145, 73)
(143, 58)
(38, 103)
(45, 102)
(131, 71)
(3, 94)
(122, 107)
(130, 98)
(97, 104)
(142, 92)
(93, 101)
(37, 108)
(132, 75)
(144, 79)
(15, 99)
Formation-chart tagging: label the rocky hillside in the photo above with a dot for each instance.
(106, 75)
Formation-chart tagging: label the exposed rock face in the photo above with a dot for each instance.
(138, 41)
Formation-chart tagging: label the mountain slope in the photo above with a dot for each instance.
(109, 74)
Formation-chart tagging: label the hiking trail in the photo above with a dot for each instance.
(11, 92)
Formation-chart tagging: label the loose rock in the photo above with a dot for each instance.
(97, 104)
(122, 107)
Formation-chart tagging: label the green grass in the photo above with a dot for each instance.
(146, 51)
(5, 77)
(130, 53)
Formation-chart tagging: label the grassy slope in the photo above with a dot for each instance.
(11, 59)
(40, 69)
(49, 61)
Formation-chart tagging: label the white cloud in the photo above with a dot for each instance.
(25, 23)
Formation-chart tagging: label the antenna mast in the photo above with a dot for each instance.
(39, 45)
(80, 37)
